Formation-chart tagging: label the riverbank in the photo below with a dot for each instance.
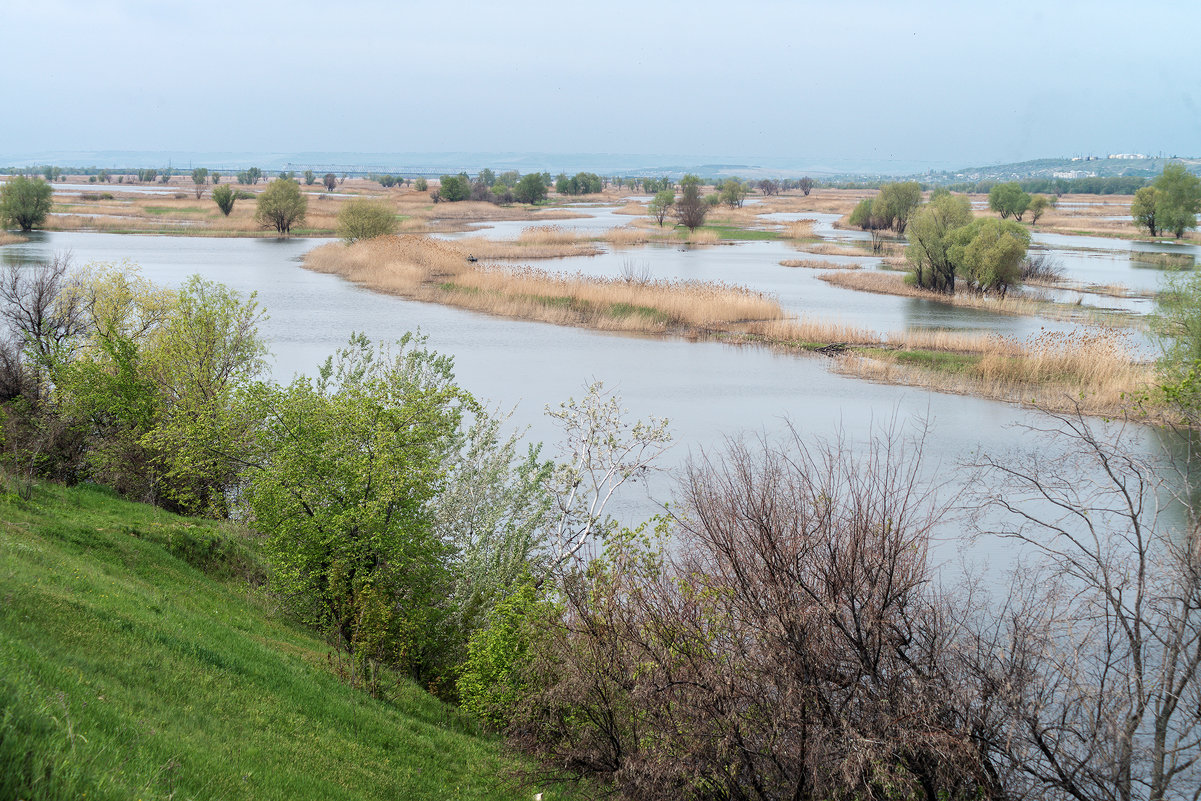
(1097, 371)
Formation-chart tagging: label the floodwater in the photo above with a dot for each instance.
(708, 391)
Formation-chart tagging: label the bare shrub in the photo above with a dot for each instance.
(1042, 267)
(792, 648)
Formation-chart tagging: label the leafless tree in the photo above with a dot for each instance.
(1095, 660)
(41, 310)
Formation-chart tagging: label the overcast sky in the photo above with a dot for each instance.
(953, 84)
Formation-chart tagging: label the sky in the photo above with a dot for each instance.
(945, 84)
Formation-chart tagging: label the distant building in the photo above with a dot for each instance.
(1129, 156)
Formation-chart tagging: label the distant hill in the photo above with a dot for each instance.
(1089, 167)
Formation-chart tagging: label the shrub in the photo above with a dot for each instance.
(224, 197)
(365, 219)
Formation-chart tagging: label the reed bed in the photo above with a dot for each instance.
(426, 269)
(1095, 366)
(818, 264)
(893, 283)
(832, 249)
(703, 236)
(11, 239)
(1092, 371)
(801, 229)
(628, 236)
(536, 242)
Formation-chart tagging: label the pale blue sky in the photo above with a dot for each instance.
(955, 83)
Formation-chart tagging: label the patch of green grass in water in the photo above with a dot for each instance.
(137, 660)
(937, 360)
(630, 309)
(735, 232)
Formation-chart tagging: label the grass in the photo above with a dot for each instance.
(7, 238)
(736, 233)
(138, 660)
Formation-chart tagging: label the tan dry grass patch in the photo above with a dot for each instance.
(425, 269)
(801, 229)
(817, 264)
(893, 283)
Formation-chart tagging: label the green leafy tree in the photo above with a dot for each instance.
(530, 188)
(661, 205)
(24, 202)
(224, 197)
(1038, 207)
(987, 254)
(421, 185)
(487, 177)
(330, 181)
(896, 203)
(345, 470)
(1176, 325)
(200, 177)
(508, 178)
(453, 188)
(691, 208)
(1008, 199)
(250, 177)
(582, 183)
(280, 206)
(215, 177)
(866, 216)
(200, 362)
(365, 219)
(1144, 209)
(929, 235)
(1177, 199)
(733, 192)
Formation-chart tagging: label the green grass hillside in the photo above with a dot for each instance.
(137, 661)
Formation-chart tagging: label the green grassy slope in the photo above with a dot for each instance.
(126, 671)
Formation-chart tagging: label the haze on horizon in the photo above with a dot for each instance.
(945, 84)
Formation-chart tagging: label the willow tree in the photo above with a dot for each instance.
(929, 251)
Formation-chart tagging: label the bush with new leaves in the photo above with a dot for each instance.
(365, 219)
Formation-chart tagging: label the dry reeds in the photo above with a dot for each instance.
(894, 283)
(1092, 370)
(426, 269)
(537, 242)
(817, 264)
(801, 229)
(703, 236)
(10, 239)
(1096, 365)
